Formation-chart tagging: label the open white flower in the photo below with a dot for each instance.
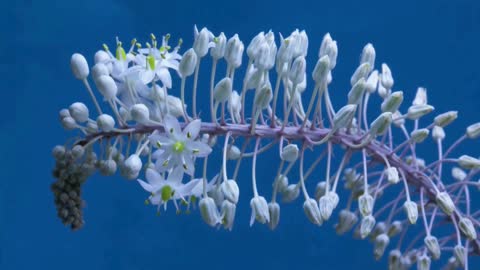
(178, 148)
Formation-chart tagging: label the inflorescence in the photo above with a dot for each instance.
(154, 130)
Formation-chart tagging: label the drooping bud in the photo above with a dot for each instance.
(445, 203)
(366, 226)
(218, 51)
(263, 96)
(140, 113)
(230, 190)
(107, 167)
(392, 175)
(380, 125)
(395, 228)
(356, 93)
(445, 119)
(381, 242)
(320, 189)
(233, 153)
(326, 206)
(131, 167)
(228, 210)
(365, 204)
(361, 72)
(223, 90)
(468, 162)
(106, 86)
(392, 102)
(202, 42)
(346, 221)
(467, 228)
(458, 174)
(281, 183)
(186, 67)
(274, 212)
(234, 51)
(394, 258)
(473, 131)
(372, 82)
(79, 112)
(259, 210)
(433, 247)
(105, 122)
(79, 66)
(411, 209)
(438, 133)
(209, 211)
(387, 79)
(420, 97)
(417, 111)
(291, 193)
(423, 263)
(368, 56)
(419, 135)
(459, 253)
(289, 153)
(312, 211)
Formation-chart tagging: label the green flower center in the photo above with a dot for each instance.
(151, 62)
(167, 193)
(178, 147)
(120, 53)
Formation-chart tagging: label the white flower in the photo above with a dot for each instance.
(260, 210)
(178, 148)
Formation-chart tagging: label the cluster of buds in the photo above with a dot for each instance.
(150, 134)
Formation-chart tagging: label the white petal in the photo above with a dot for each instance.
(189, 165)
(186, 190)
(153, 178)
(199, 149)
(193, 128)
(176, 175)
(171, 125)
(145, 185)
(164, 76)
(146, 76)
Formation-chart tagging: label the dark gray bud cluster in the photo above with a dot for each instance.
(70, 174)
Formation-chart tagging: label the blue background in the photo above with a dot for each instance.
(426, 43)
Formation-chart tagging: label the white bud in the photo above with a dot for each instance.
(235, 105)
(423, 263)
(289, 153)
(398, 120)
(417, 111)
(380, 125)
(394, 258)
(368, 55)
(98, 70)
(366, 226)
(282, 183)
(209, 211)
(262, 56)
(106, 86)
(381, 242)
(365, 204)
(270, 39)
(380, 228)
(467, 228)
(186, 67)
(438, 133)
(411, 209)
(458, 174)
(101, 57)
(107, 167)
(382, 91)
(361, 72)
(78, 151)
(356, 93)
(392, 175)
(233, 153)
(274, 212)
(445, 203)
(459, 253)
(263, 96)
(132, 166)
(344, 116)
(68, 123)
(312, 211)
(202, 42)
(175, 106)
(223, 90)
(387, 79)
(105, 122)
(58, 152)
(433, 247)
(445, 119)
(326, 206)
(79, 66)
(473, 131)
(259, 210)
(255, 44)
(329, 48)
(346, 221)
(395, 228)
(140, 113)
(420, 97)
(372, 82)
(320, 189)
(297, 70)
(419, 135)
(230, 190)
(79, 112)
(468, 162)
(217, 195)
(392, 102)
(218, 51)
(64, 113)
(291, 193)
(234, 51)
(228, 210)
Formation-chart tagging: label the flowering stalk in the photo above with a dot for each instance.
(139, 90)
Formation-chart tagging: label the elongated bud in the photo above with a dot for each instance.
(387, 79)
(209, 211)
(366, 226)
(233, 152)
(411, 209)
(262, 56)
(106, 86)
(392, 102)
(368, 56)
(380, 228)
(234, 51)
(395, 228)
(392, 175)
(417, 111)
(329, 48)
(68, 123)
(372, 82)
(459, 253)
(105, 122)
(356, 93)
(381, 242)
(228, 210)
(140, 113)
(201, 43)
(235, 105)
(458, 174)
(291, 193)
(289, 153)
(361, 72)
(420, 97)
(419, 135)
(312, 211)
(438, 133)
(380, 125)
(473, 131)
(468, 162)
(230, 190)
(132, 166)
(218, 51)
(255, 44)
(467, 228)
(445, 203)
(186, 67)
(259, 210)
(101, 56)
(394, 259)
(346, 222)
(423, 263)
(282, 183)
(444, 119)
(297, 70)
(274, 211)
(433, 247)
(99, 70)
(263, 96)
(326, 206)
(223, 90)
(79, 112)
(344, 116)
(365, 204)
(321, 70)
(79, 66)
(270, 39)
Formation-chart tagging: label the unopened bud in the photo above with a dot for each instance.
(419, 135)
(344, 116)
(366, 226)
(368, 55)
(218, 51)
(458, 174)
(361, 72)
(392, 175)
(255, 44)
(132, 167)
(289, 153)
(107, 86)
(468, 162)
(392, 102)
(274, 211)
(433, 247)
(381, 242)
(105, 122)
(459, 253)
(228, 210)
(202, 42)
(234, 51)
(467, 228)
(259, 210)
(233, 153)
(79, 112)
(187, 65)
(356, 93)
(473, 131)
(326, 206)
(387, 79)
(438, 133)
(423, 263)
(69, 123)
(312, 211)
(108, 167)
(291, 193)
(230, 190)
(223, 90)
(140, 113)
(420, 97)
(297, 70)
(321, 70)
(98, 70)
(263, 96)
(346, 221)
(209, 211)
(417, 111)
(380, 125)
(320, 189)
(365, 204)
(445, 203)
(411, 209)
(445, 119)
(79, 66)
(395, 228)
(372, 82)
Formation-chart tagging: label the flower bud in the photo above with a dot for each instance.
(392, 102)
(218, 51)
(105, 122)
(438, 133)
(263, 96)
(98, 70)
(230, 190)
(433, 247)
(381, 242)
(217, 195)
(445, 119)
(209, 211)
(254, 77)
(223, 90)
(321, 70)
(366, 226)
(233, 153)
(467, 228)
(262, 57)
(175, 106)
(387, 79)
(423, 263)
(69, 123)
(79, 112)
(356, 93)
(326, 205)
(411, 209)
(365, 204)
(419, 135)
(420, 97)
(473, 131)
(381, 124)
(186, 67)
(297, 70)
(445, 203)
(228, 210)
(235, 105)
(368, 56)
(79, 66)
(394, 258)
(458, 174)
(108, 167)
(395, 228)
(140, 113)
(58, 152)
(106, 86)
(468, 162)
(101, 57)
(274, 212)
(234, 51)
(255, 44)
(398, 120)
(132, 166)
(380, 228)
(382, 91)
(459, 253)
(361, 72)
(329, 48)
(291, 193)
(259, 210)
(344, 116)
(64, 113)
(281, 183)
(372, 82)
(417, 111)
(289, 153)
(202, 42)
(320, 189)
(312, 211)
(78, 151)
(392, 175)
(346, 221)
